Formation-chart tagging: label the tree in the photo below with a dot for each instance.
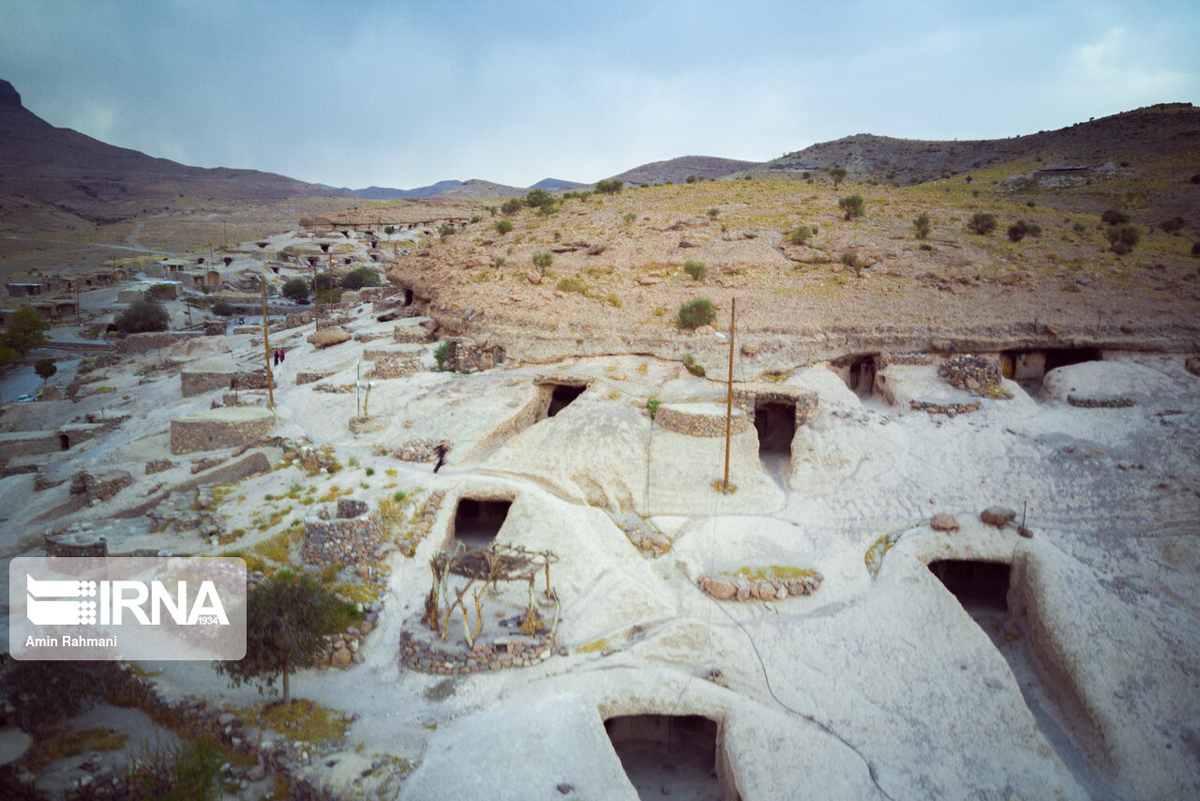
(50, 692)
(1114, 217)
(838, 174)
(44, 368)
(8, 355)
(295, 290)
(852, 206)
(25, 331)
(359, 277)
(142, 316)
(982, 223)
(696, 269)
(610, 186)
(695, 313)
(510, 206)
(287, 618)
(538, 197)
(922, 226)
(542, 261)
(223, 308)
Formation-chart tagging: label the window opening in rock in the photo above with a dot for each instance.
(477, 522)
(975, 584)
(670, 754)
(408, 297)
(776, 426)
(562, 397)
(64, 442)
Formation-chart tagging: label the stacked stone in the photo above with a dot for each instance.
(220, 428)
(309, 376)
(1099, 403)
(906, 359)
(416, 450)
(766, 589)
(350, 538)
(158, 465)
(507, 652)
(75, 544)
(748, 396)
(971, 373)
(345, 649)
(681, 421)
(412, 334)
(948, 409)
(389, 364)
(144, 343)
(470, 357)
(99, 489)
(424, 523)
(654, 543)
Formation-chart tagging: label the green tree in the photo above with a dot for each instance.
(852, 206)
(1114, 217)
(542, 261)
(45, 692)
(8, 355)
(287, 618)
(295, 290)
(359, 277)
(838, 174)
(696, 269)
(25, 331)
(695, 313)
(922, 226)
(143, 316)
(982, 223)
(44, 368)
(222, 308)
(610, 186)
(538, 197)
(504, 226)
(510, 206)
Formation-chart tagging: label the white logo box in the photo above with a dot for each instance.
(107, 608)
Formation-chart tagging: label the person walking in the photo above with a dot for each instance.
(440, 450)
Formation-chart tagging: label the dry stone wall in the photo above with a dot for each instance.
(349, 538)
(220, 428)
(699, 422)
(748, 396)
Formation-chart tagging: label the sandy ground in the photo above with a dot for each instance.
(877, 685)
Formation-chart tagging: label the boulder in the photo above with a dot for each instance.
(329, 336)
(341, 657)
(721, 590)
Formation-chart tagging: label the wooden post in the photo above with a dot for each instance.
(729, 397)
(316, 300)
(267, 342)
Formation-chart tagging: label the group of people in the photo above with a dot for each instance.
(279, 354)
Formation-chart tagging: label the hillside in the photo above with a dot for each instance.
(677, 170)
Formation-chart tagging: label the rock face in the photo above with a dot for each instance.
(997, 516)
(943, 522)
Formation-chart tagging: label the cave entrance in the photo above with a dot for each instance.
(408, 297)
(64, 442)
(1029, 367)
(477, 522)
(775, 422)
(858, 371)
(561, 396)
(976, 585)
(679, 755)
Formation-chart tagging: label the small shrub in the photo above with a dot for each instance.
(801, 235)
(851, 206)
(1114, 217)
(1196, 248)
(441, 354)
(610, 186)
(295, 290)
(696, 269)
(1123, 237)
(1195, 179)
(613, 299)
(712, 213)
(695, 313)
(445, 230)
(1078, 227)
(693, 367)
(982, 223)
(629, 217)
(504, 226)
(510, 206)
(542, 261)
(476, 219)
(652, 407)
(922, 226)
(838, 174)
(1020, 229)
(1172, 225)
(1030, 204)
(143, 316)
(571, 285)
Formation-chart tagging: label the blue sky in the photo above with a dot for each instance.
(403, 94)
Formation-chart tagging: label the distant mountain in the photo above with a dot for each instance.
(1148, 132)
(678, 170)
(56, 177)
(479, 188)
(556, 185)
(384, 193)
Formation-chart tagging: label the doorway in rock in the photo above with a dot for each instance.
(478, 521)
(675, 755)
(562, 396)
(776, 426)
(982, 588)
(1029, 367)
(861, 376)
(408, 297)
(64, 442)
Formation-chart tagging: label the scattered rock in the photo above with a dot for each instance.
(341, 657)
(721, 590)
(997, 516)
(256, 773)
(943, 522)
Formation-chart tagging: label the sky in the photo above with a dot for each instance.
(356, 93)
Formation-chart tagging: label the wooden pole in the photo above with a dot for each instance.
(267, 342)
(729, 397)
(316, 300)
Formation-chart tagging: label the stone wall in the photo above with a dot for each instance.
(971, 373)
(910, 359)
(349, 538)
(392, 364)
(948, 409)
(748, 397)
(219, 428)
(765, 589)
(470, 357)
(704, 420)
(81, 432)
(28, 443)
(507, 652)
(144, 343)
(194, 383)
(66, 544)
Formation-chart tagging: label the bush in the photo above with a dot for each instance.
(982, 222)
(45, 369)
(1078, 227)
(542, 261)
(922, 226)
(510, 206)
(1196, 248)
(25, 331)
(359, 277)
(696, 269)
(695, 313)
(1172, 225)
(1114, 217)
(693, 367)
(538, 197)
(1020, 229)
(629, 217)
(441, 354)
(571, 285)
(143, 316)
(295, 290)
(712, 213)
(1123, 237)
(852, 206)
(838, 174)
(222, 308)
(610, 186)
(801, 235)
(504, 227)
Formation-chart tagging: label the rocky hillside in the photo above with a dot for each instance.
(1152, 132)
(677, 170)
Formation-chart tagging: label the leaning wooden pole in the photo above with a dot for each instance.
(729, 396)
(316, 297)
(267, 344)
